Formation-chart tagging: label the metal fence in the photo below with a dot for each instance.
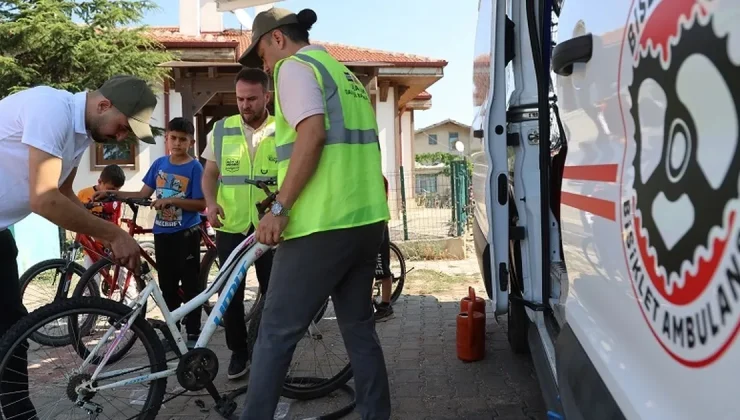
(429, 202)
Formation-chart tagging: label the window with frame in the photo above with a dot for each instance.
(122, 154)
(426, 183)
(432, 139)
(454, 137)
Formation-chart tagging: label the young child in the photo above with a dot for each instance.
(111, 178)
(176, 180)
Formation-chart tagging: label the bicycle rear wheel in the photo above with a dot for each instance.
(55, 378)
(40, 286)
(400, 277)
(306, 380)
(397, 265)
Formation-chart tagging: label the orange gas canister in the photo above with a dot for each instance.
(471, 335)
(479, 304)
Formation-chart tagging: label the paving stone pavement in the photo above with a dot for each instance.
(427, 380)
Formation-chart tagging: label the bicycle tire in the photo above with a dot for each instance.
(89, 278)
(319, 388)
(148, 246)
(32, 273)
(398, 283)
(20, 332)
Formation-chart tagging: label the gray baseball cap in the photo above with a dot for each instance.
(263, 23)
(135, 99)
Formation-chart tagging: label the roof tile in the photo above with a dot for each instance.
(171, 37)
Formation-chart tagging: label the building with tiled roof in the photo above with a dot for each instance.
(202, 88)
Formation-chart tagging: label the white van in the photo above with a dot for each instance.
(607, 198)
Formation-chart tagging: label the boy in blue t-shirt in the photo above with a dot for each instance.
(176, 180)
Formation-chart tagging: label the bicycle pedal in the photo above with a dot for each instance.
(158, 324)
(225, 407)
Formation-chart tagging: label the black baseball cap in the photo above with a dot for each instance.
(135, 99)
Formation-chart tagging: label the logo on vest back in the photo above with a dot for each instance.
(231, 164)
(272, 158)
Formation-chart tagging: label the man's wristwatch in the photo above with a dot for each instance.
(277, 209)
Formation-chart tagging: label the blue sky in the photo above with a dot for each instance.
(433, 28)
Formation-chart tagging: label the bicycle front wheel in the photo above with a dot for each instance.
(56, 379)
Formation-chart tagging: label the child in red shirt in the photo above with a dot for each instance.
(111, 178)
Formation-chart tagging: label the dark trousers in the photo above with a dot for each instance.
(337, 263)
(236, 327)
(14, 380)
(178, 263)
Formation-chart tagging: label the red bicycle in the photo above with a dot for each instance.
(116, 279)
(51, 280)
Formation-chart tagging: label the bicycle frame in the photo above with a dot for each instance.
(233, 272)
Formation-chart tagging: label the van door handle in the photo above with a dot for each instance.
(574, 50)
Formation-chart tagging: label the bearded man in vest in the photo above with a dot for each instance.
(329, 215)
(240, 147)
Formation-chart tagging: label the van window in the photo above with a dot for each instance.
(482, 62)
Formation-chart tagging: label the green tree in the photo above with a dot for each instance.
(75, 45)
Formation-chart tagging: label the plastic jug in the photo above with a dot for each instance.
(479, 305)
(471, 335)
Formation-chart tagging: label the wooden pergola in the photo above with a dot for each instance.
(207, 90)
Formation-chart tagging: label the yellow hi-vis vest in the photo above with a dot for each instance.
(230, 148)
(347, 188)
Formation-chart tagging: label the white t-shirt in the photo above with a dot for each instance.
(300, 94)
(253, 137)
(48, 119)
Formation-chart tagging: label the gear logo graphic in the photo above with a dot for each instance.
(681, 176)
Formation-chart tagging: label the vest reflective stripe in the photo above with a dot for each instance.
(236, 167)
(337, 133)
(241, 180)
(347, 189)
(219, 131)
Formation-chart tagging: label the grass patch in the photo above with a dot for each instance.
(425, 251)
(429, 282)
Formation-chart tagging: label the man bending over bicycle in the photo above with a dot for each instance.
(43, 134)
(176, 179)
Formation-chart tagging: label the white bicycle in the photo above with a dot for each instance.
(84, 385)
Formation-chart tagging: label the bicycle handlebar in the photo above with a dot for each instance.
(262, 206)
(265, 204)
(112, 197)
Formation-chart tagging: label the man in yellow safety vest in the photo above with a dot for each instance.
(330, 213)
(240, 147)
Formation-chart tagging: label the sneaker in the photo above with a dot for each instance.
(239, 365)
(383, 312)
